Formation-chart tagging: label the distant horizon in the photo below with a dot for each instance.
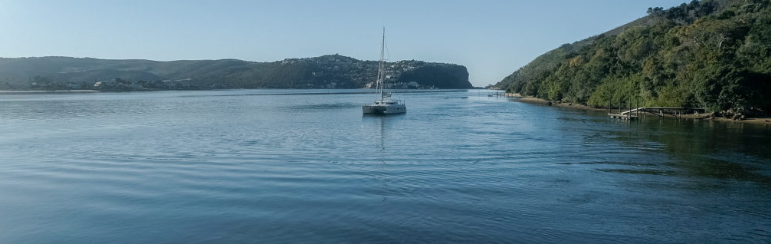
(490, 38)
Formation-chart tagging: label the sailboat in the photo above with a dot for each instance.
(385, 105)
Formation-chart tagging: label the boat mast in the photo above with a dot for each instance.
(380, 71)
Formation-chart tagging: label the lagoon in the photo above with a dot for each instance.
(304, 166)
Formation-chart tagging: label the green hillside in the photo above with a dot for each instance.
(329, 71)
(712, 54)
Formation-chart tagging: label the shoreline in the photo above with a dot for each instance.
(535, 100)
(11, 92)
(363, 90)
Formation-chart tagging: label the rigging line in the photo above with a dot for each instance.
(388, 52)
(385, 45)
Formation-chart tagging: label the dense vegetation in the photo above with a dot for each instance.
(329, 71)
(712, 54)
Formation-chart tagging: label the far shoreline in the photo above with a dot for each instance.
(540, 101)
(10, 92)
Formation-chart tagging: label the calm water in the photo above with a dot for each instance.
(283, 166)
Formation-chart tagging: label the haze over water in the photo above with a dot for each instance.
(304, 166)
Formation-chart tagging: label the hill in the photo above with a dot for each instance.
(329, 71)
(712, 54)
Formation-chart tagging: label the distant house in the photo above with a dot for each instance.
(97, 84)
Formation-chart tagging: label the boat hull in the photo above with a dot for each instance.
(384, 109)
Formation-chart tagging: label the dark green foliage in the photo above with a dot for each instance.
(713, 54)
(329, 71)
(436, 76)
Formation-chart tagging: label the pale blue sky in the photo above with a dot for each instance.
(492, 38)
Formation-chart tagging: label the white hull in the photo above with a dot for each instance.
(384, 109)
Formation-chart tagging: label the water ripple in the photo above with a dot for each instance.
(280, 167)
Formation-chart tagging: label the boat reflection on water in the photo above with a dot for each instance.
(378, 123)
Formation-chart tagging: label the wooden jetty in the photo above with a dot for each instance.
(633, 114)
(627, 116)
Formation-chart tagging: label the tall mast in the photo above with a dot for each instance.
(380, 72)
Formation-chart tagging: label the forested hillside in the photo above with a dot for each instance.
(329, 71)
(712, 54)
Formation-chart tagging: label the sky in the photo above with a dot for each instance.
(492, 38)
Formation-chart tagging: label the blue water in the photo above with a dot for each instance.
(304, 166)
